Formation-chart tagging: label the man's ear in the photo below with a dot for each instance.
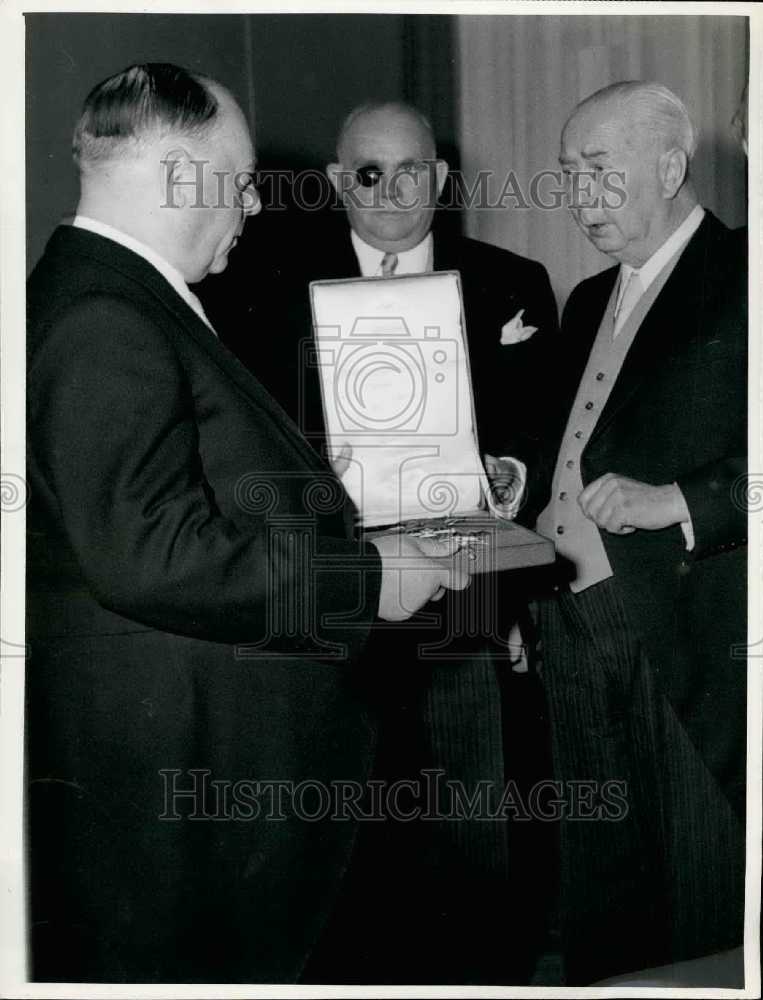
(673, 167)
(441, 168)
(338, 177)
(181, 178)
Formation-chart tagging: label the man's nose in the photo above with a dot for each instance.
(583, 192)
(398, 188)
(387, 186)
(586, 206)
(589, 215)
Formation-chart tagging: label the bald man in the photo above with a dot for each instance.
(643, 497)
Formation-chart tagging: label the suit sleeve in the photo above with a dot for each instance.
(114, 434)
(716, 490)
(715, 496)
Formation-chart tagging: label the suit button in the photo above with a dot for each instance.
(578, 434)
(589, 405)
(563, 495)
(560, 529)
(599, 376)
(569, 463)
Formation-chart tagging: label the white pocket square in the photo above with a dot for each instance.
(514, 332)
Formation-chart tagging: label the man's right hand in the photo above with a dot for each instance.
(410, 578)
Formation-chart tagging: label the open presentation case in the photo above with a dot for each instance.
(395, 382)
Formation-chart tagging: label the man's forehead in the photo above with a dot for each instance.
(229, 115)
(387, 135)
(232, 138)
(598, 128)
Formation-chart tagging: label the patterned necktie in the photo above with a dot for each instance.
(388, 265)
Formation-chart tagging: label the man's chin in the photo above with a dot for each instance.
(394, 238)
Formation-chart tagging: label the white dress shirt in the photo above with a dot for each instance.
(649, 271)
(417, 260)
(167, 271)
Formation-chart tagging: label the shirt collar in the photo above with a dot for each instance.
(676, 241)
(167, 271)
(417, 260)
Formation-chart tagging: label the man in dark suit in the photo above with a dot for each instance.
(196, 601)
(387, 179)
(643, 495)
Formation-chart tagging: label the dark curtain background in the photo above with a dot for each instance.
(430, 80)
(295, 75)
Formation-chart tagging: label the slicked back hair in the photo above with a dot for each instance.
(654, 107)
(129, 107)
(370, 107)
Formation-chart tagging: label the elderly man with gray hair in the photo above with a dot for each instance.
(642, 492)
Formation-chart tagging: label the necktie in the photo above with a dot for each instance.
(388, 265)
(631, 293)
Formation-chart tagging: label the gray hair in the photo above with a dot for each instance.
(654, 106)
(370, 107)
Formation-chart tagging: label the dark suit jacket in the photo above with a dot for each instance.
(195, 606)
(678, 413)
(266, 289)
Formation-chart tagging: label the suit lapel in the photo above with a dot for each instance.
(581, 320)
(347, 261)
(239, 374)
(133, 267)
(448, 254)
(669, 320)
(444, 257)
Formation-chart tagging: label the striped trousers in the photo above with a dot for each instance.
(662, 878)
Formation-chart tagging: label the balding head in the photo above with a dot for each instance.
(635, 138)
(387, 174)
(143, 103)
(165, 156)
(377, 117)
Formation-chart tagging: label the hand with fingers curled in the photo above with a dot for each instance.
(415, 571)
(621, 505)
